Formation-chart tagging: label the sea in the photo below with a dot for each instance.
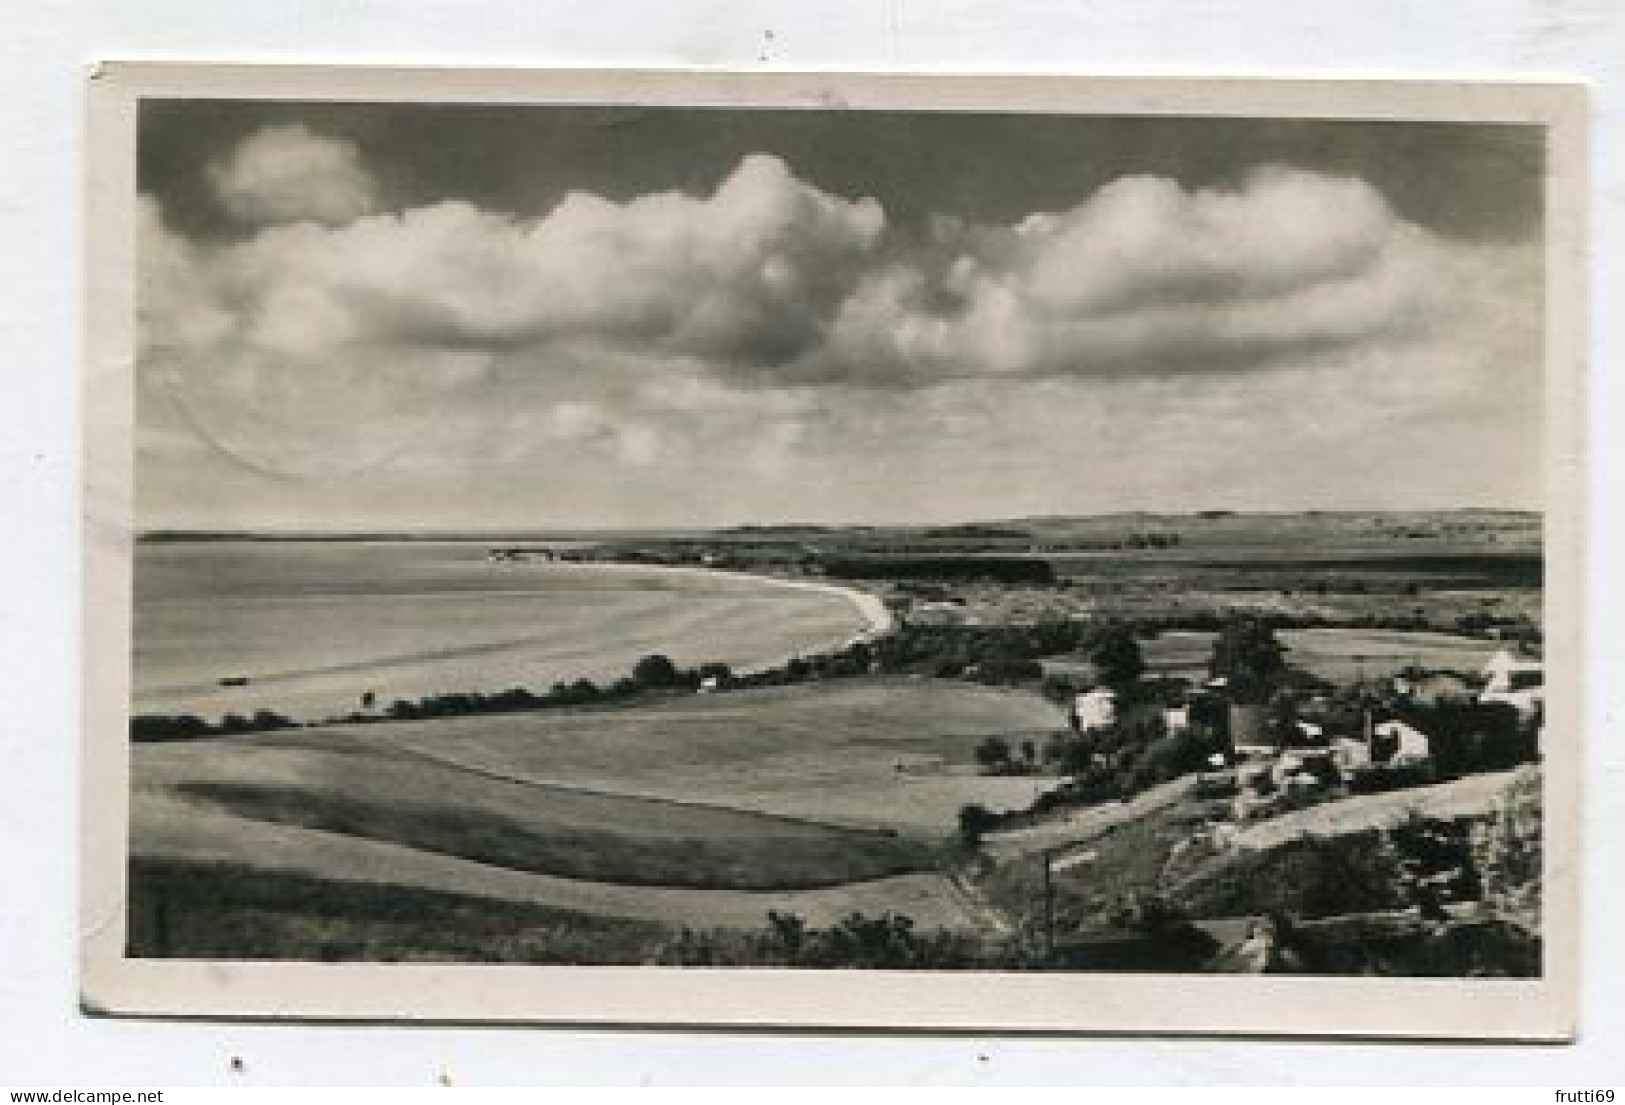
(315, 629)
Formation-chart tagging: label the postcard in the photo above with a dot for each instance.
(874, 551)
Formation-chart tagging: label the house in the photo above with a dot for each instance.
(1409, 744)
(1351, 755)
(1249, 730)
(1516, 681)
(1308, 733)
(1094, 709)
(937, 613)
(1255, 777)
(1302, 768)
(1432, 688)
(1505, 672)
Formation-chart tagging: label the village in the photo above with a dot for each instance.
(1262, 819)
(1275, 755)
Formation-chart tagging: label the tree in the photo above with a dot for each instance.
(655, 671)
(1060, 688)
(1247, 655)
(716, 670)
(974, 822)
(1115, 654)
(1282, 718)
(993, 754)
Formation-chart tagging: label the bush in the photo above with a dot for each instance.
(1507, 847)
(147, 728)
(1307, 877)
(887, 942)
(655, 671)
(1468, 737)
(1115, 653)
(993, 754)
(975, 821)
(1059, 688)
(1006, 670)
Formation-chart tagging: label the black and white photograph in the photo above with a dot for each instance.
(748, 534)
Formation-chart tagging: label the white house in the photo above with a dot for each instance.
(1517, 681)
(1301, 767)
(1095, 709)
(1410, 743)
(1351, 754)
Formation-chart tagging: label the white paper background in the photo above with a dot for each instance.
(45, 1043)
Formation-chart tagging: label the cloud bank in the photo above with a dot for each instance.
(774, 321)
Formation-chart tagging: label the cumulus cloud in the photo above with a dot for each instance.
(747, 276)
(765, 334)
(289, 173)
(770, 281)
(1146, 278)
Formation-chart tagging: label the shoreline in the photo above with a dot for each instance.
(869, 606)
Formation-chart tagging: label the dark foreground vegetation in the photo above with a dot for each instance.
(886, 942)
(204, 910)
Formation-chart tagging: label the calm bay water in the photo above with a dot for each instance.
(313, 626)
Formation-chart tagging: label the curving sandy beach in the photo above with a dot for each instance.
(869, 606)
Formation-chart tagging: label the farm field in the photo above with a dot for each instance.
(821, 800)
(892, 753)
(1339, 655)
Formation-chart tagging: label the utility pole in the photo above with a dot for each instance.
(1049, 907)
(1050, 867)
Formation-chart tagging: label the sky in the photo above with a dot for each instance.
(356, 316)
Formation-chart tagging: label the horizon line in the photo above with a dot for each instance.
(498, 530)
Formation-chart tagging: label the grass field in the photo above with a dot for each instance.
(567, 833)
(820, 800)
(1340, 655)
(879, 753)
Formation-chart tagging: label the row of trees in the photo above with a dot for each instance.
(653, 673)
(1008, 653)
(999, 569)
(146, 728)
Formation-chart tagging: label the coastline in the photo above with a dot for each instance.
(869, 606)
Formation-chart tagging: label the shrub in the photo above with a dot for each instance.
(975, 821)
(655, 671)
(993, 754)
(887, 942)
